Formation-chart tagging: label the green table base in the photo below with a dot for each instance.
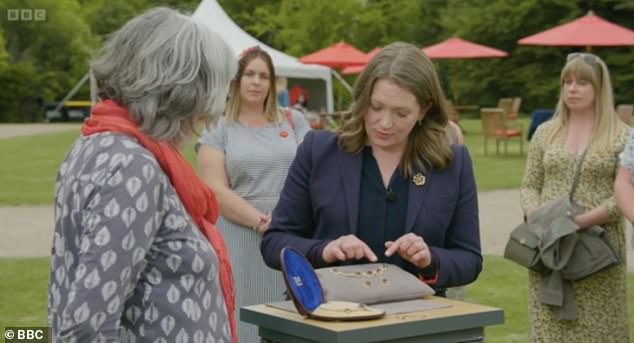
(463, 336)
(462, 323)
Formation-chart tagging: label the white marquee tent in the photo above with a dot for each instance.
(317, 79)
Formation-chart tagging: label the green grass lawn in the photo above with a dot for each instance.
(495, 171)
(502, 284)
(23, 287)
(29, 166)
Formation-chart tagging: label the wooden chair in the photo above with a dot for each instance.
(515, 108)
(625, 112)
(494, 127)
(506, 104)
(511, 106)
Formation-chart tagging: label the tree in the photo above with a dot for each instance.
(44, 59)
(299, 27)
(531, 72)
(47, 56)
(105, 17)
(4, 55)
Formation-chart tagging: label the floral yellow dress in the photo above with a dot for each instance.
(601, 298)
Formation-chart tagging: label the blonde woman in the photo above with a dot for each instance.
(245, 159)
(586, 120)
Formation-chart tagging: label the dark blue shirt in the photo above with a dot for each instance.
(382, 211)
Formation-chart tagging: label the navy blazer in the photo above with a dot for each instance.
(320, 202)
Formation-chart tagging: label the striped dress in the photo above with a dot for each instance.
(256, 161)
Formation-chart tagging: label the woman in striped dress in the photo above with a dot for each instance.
(245, 159)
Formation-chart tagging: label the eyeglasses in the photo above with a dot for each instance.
(587, 57)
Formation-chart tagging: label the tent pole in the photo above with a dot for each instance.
(71, 93)
(342, 80)
(93, 89)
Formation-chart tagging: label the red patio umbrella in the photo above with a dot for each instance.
(359, 68)
(459, 48)
(589, 30)
(338, 55)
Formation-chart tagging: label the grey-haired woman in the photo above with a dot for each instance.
(136, 257)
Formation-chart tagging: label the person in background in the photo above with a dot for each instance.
(301, 103)
(245, 159)
(388, 186)
(624, 184)
(454, 133)
(283, 98)
(585, 120)
(136, 257)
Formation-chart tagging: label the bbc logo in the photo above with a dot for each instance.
(27, 334)
(26, 14)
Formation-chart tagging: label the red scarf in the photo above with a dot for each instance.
(200, 202)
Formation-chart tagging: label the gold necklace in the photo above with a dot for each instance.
(365, 275)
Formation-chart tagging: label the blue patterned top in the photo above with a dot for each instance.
(128, 263)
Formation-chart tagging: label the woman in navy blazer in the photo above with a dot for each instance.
(388, 186)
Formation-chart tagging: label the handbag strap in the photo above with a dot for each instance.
(289, 117)
(575, 179)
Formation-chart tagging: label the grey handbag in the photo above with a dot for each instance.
(370, 283)
(523, 248)
(523, 244)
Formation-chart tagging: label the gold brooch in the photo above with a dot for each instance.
(419, 179)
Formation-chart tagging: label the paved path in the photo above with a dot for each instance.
(27, 230)
(15, 130)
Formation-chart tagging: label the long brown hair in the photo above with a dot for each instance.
(407, 66)
(271, 112)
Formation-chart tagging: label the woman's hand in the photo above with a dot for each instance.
(581, 220)
(528, 213)
(411, 248)
(265, 221)
(347, 248)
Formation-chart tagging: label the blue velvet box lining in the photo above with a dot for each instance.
(301, 281)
